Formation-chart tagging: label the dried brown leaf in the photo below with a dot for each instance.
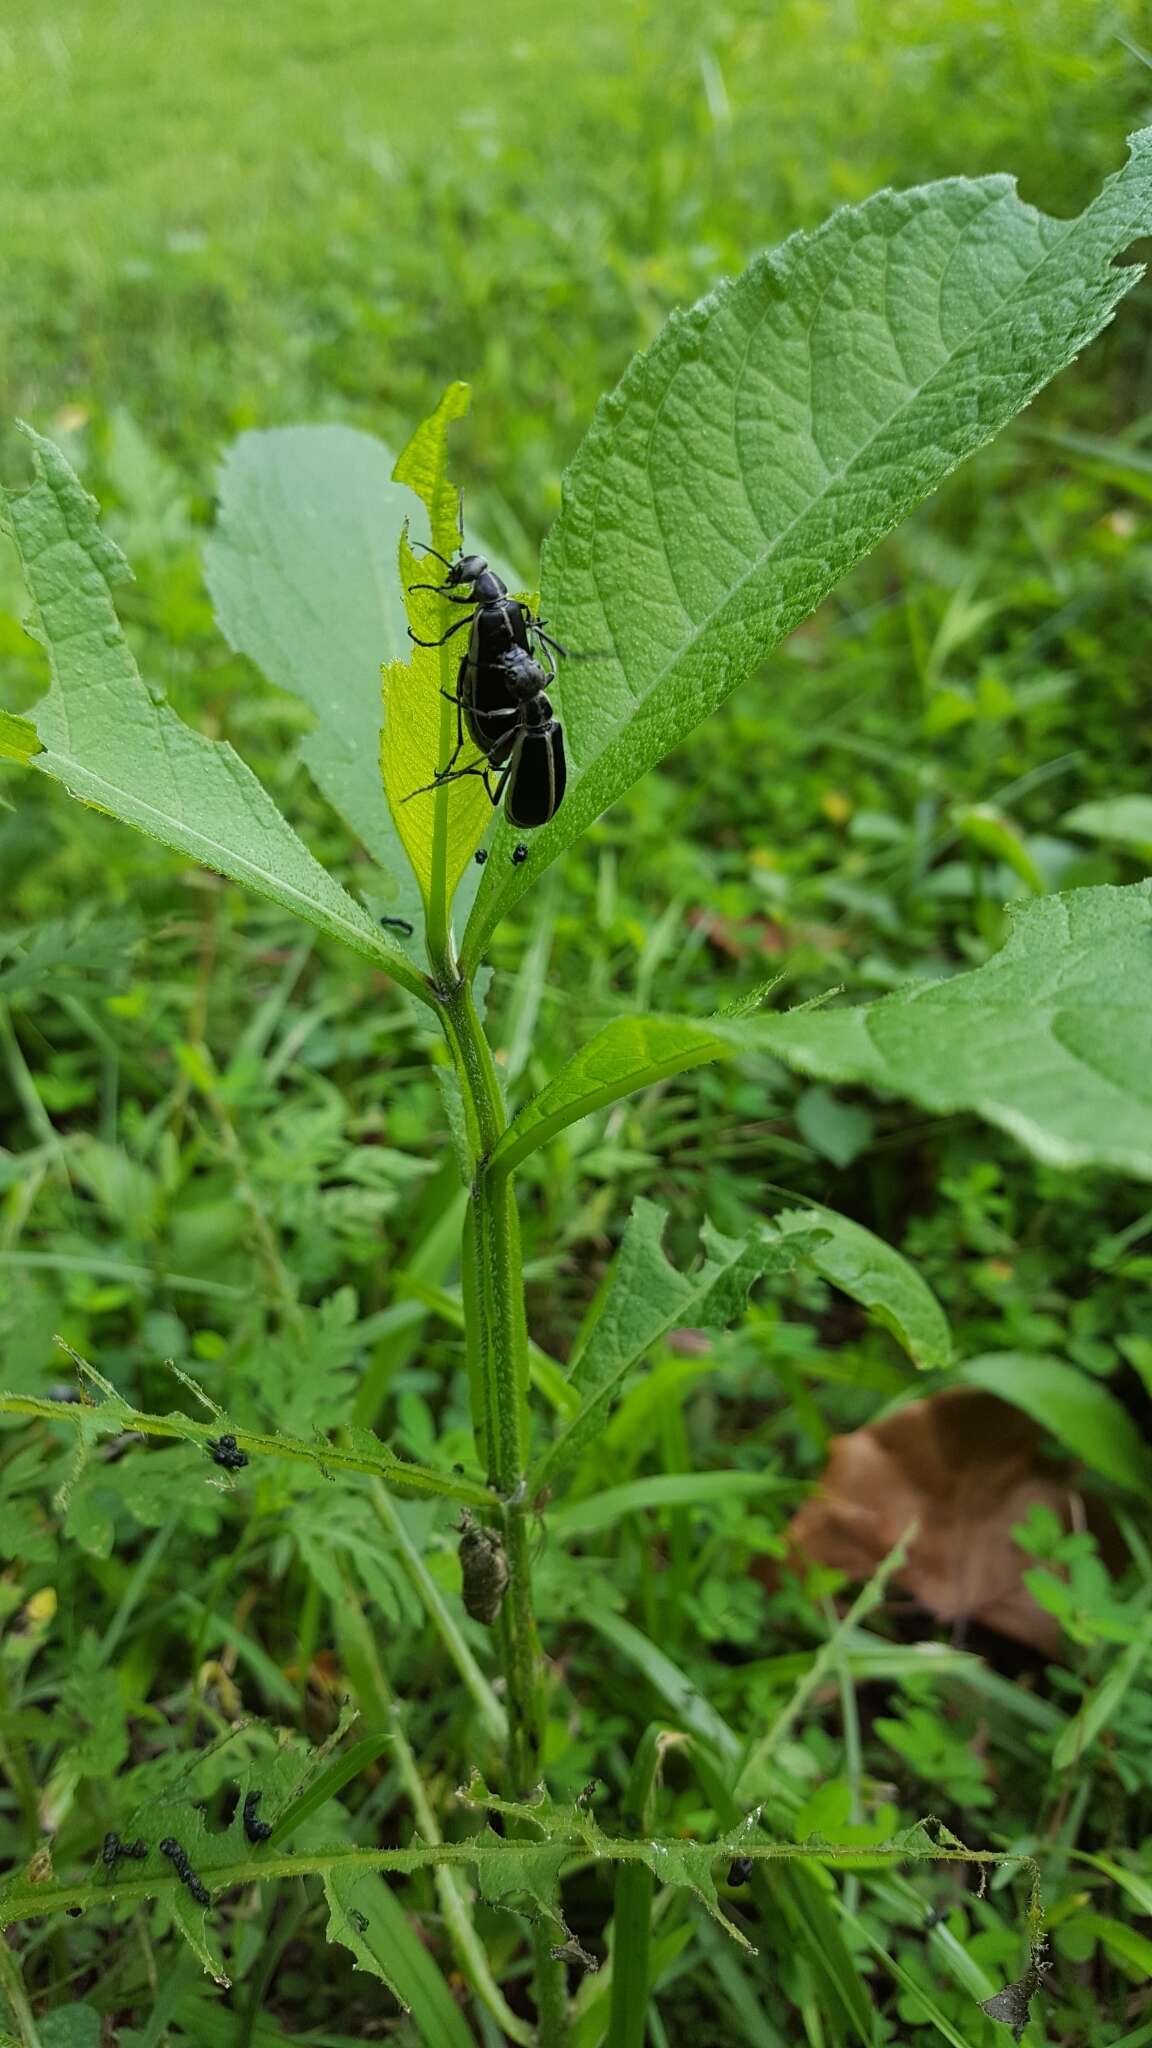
(965, 1467)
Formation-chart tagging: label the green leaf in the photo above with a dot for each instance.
(879, 1278)
(1122, 1941)
(660, 1490)
(989, 830)
(118, 748)
(632, 1901)
(388, 1945)
(1085, 1417)
(71, 2026)
(302, 572)
(1100, 1707)
(688, 1706)
(643, 1299)
(837, 1130)
(1050, 1039)
(629, 1053)
(439, 829)
(771, 436)
(1138, 1888)
(569, 1828)
(801, 1898)
(331, 1780)
(18, 738)
(742, 1994)
(1121, 820)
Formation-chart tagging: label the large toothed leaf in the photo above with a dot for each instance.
(120, 748)
(1051, 1039)
(770, 437)
(439, 828)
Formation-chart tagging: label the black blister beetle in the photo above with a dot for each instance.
(501, 696)
(498, 621)
(504, 707)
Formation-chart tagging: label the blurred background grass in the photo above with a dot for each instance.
(223, 216)
(218, 217)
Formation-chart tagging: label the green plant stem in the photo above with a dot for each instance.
(436, 1607)
(14, 1993)
(451, 1885)
(632, 1911)
(492, 1285)
(14, 1761)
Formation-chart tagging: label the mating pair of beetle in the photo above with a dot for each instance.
(501, 697)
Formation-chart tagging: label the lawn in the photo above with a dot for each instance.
(230, 1181)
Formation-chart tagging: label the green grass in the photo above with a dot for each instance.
(218, 217)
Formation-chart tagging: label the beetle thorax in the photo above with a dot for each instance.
(525, 677)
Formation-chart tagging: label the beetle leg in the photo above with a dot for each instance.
(457, 628)
(495, 796)
(449, 775)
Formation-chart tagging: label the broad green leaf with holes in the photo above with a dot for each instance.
(872, 1273)
(439, 829)
(771, 436)
(1051, 1039)
(118, 746)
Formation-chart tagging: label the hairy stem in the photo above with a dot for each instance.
(492, 1278)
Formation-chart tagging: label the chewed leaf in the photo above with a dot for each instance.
(773, 435)
(532, 1869)
(1010, 2006)
(690, 1864)
(424, 463)
(366, 1916)
(526, 1879)
(438, 828)
(642, 1299)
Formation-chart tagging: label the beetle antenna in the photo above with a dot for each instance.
(425, 549)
